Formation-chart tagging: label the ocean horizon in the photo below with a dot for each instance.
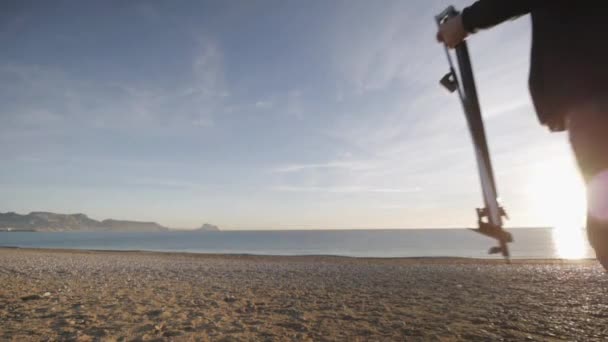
(530, 243)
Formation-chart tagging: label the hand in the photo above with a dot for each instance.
(452, 32)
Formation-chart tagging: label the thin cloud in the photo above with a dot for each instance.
(87, 102)
(294, 104)
(344, 189)
(166, 183)
(264, 104)
(347, 165)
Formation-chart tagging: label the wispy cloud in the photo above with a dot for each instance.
(264, 104)
(208, 67)
(395, 45)
(344, 189)
(166, 183)
(61, 95)
(293, 105)
(338, 164)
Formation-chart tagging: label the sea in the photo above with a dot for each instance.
(529, 243)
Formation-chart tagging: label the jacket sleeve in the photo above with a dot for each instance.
(487, 13)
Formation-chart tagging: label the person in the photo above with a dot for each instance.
(568, 83)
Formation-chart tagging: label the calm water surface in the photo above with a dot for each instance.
(529, 243)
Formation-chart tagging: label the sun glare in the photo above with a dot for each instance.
(558, 194)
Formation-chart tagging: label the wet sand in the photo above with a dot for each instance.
(106, 296)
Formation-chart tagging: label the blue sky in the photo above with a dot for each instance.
(262, 114)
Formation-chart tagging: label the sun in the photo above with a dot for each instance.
(558, 195)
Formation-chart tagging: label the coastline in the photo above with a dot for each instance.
(113, 295)
(312, 257)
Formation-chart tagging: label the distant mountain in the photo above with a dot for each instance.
(133, 226)
(208, 228)
(204, 228)
(51, 222)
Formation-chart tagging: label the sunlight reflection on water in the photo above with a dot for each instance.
(569, 242)
(557, 194)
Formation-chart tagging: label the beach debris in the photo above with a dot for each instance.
(250, 307)
(160, 327)
(31, 297)
(155, 313)
(171, 333)
(348, 317)
(397, 325)
(229, 299)
(295, 314)
(46, 294)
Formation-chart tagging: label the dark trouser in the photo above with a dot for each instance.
(588, 132)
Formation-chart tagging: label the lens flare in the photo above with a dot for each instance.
(598, 196)
(558, 195)
(569, 242)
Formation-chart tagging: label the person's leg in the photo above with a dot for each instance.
(588, 131)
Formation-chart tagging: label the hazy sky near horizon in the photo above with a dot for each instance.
(262, 114)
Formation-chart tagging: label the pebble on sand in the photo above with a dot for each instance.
(31, 297)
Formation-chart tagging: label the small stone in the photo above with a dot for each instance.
(229, 299)
(46, 294)
(250, 307)
(31, 297)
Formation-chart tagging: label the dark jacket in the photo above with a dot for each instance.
(569, 60)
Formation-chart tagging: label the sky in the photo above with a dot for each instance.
(264, 114)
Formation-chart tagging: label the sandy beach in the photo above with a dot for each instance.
(107, 296)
